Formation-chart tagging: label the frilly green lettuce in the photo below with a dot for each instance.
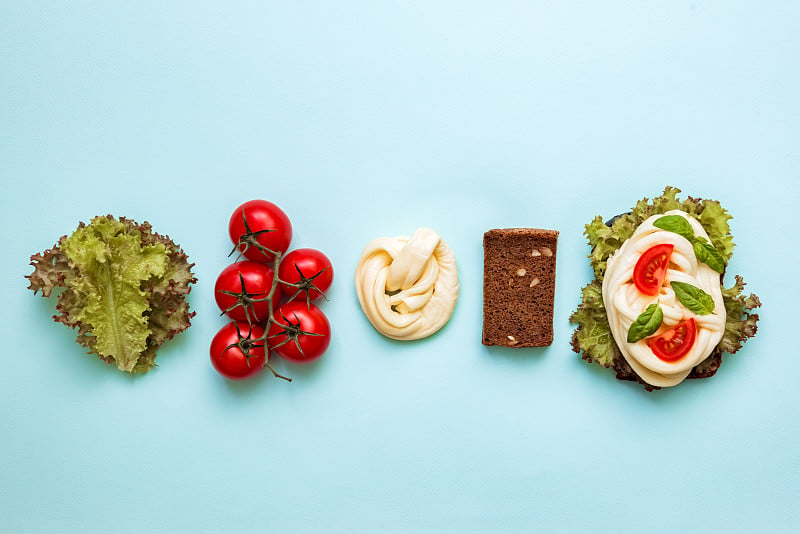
(593, 337)
(124, 289)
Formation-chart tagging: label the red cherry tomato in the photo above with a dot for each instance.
(676, 342)
(301, 333)
(241, 291)
(236, 351)
(305, 273)
(651, 268)
(258, 229)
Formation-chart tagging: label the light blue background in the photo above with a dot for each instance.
(363, 119)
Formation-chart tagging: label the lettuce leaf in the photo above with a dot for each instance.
(593, 335)
(124, 289)
(741, 323)
(593, 338)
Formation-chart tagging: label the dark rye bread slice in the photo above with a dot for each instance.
(519, 282)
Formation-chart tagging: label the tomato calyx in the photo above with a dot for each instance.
(248, 343)
(306, 284)
(245, 343)
(250, 239)
(244, 299)
(292, 331)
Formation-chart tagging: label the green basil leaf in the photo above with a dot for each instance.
(700, 251)
(646, 324)
(695, 299)
(676, 224)
(706, 253)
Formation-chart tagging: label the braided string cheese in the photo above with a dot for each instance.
(407, 287)
(624, 303)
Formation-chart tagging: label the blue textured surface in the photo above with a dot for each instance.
(364, 119)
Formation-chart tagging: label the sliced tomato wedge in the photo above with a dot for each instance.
(676, 342)
(651, 268)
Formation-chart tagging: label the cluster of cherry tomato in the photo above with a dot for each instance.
(267, 295)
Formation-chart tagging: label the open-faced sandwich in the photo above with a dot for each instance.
(657, 311)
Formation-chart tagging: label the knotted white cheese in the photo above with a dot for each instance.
(407, 287)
